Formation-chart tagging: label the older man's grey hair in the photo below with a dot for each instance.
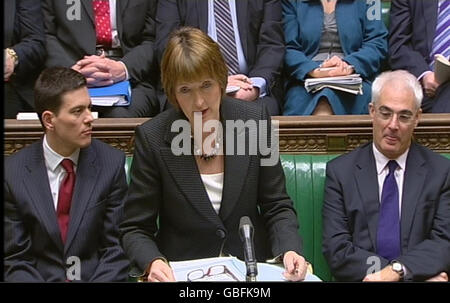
(400, 79)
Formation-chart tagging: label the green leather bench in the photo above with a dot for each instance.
(305, 180)
(385, 9)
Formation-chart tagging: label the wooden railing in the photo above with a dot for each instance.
(297, 134)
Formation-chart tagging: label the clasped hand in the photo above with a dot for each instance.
(338, 67)
(247, 91)
(429, 84)
(100, 71)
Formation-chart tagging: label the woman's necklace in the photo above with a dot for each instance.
(214, 151)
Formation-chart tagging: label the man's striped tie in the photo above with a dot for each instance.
(441, 43)
(225, 35)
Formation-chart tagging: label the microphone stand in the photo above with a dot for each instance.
(246, 233)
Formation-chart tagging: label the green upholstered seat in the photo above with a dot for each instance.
(385, 10)
(305, 179)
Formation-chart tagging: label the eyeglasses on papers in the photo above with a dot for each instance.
(214, 273)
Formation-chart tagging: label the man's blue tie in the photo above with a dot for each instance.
(441, 42)
(388, 233)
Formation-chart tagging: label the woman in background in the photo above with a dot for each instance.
(342, 36)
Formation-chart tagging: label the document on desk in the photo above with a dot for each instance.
(226, 269)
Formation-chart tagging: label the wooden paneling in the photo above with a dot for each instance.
(297, 134)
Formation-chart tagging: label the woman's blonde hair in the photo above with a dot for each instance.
(191, 54)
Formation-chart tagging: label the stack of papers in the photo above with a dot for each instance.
(350, 84)
(226, 269)
(118, 94)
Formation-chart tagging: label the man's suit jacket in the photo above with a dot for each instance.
(169, 188)
(260, 30)
(411, 34)
(24, 32)
(351, 208)
(34, 250)
(69, 40)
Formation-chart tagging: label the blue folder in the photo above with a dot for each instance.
(118, 94)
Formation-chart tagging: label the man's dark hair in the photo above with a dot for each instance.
(51, 85)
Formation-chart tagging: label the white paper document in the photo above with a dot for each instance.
(226, 269)
(34, 116)
(350, 84)
(109, 101)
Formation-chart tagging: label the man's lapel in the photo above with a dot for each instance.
(87, 5)
(38, 187)
(366, 178)
(87, 175)
(413, 181)
(121, 6)
(202, 13)
(242, 20)
(430, 16)
(9, 15)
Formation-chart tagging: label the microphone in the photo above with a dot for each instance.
(246, 233)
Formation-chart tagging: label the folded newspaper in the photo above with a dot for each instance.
(350, 84)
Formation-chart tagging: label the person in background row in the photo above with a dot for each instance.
(386, 212)
(418, 31)
(63, 195)
(189, 206)
(250, 35)
(24, 54)
(108, 41)
(339, 36)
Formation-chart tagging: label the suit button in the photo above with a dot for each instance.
(221, 233)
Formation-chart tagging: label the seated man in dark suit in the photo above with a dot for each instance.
(64, 194)
(24, 42)
(108, 41)
(250, 35)
(418, 31)
(386, 209)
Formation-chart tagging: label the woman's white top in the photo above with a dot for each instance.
(214, 186)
